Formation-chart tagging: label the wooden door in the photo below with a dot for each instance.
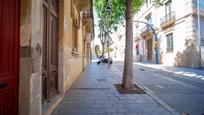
(149, 49)
(50, 50)
(9, 56)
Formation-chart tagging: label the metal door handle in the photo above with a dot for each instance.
(3, 85)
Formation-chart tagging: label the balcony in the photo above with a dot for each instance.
(146, 32)
(168, 20)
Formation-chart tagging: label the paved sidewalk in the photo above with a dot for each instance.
(94, 94)
(189, 72)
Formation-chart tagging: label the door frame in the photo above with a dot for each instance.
(17, 47)
(149, 49)
(49, 19)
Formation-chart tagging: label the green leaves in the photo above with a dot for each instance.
(117, 14)
(136, 5)
(158, 3)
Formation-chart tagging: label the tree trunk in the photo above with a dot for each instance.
(128, 66)
(103, 49)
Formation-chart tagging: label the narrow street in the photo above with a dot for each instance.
(184, 94)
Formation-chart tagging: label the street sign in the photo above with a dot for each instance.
(155, 44)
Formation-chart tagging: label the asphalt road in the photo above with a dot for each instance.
(184, 94)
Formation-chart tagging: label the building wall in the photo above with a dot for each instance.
(71, 72)
(73, 63)
(184, 34)
(118, 45)
(201, 28)
(30, 58)
(31, 48)
(202, 41)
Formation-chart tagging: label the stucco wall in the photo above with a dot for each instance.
(72, 64)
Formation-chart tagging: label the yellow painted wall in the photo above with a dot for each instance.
(31, 48)
(72, 64)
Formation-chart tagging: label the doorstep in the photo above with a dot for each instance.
(48, 108)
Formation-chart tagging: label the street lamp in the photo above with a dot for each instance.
(108, 10)
(155, 38)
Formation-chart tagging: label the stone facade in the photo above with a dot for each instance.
(181, 24)
(118, 45)
(71, 62)
(177, 20)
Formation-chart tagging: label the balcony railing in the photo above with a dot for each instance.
(168, 19)
(146, 31)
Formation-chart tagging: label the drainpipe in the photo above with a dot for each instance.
(198, 32)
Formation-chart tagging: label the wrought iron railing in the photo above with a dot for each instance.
(147, 29)
(168, 17)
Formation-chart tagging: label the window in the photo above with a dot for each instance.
(148, 3)
(75, 27)
(137, 29)
(170, 42)
(149, 21)
(168, 8)
(75, 36)
(137, 49)
(202, 41)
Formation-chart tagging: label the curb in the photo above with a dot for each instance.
(171, 71)
(158, 100)
(165, 105)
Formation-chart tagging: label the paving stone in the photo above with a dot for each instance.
(94, 93)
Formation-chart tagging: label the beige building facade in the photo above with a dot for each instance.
(118, 44)
(176, 26)
(177, 30)
(52, 47)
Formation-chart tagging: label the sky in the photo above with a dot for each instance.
(96, 28)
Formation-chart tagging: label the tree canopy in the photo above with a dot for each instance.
(117, 14)
(117, 11)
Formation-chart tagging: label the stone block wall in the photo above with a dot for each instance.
(184, 29)
(31, 48)
(30, 57)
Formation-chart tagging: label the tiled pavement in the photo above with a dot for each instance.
(94, 94)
